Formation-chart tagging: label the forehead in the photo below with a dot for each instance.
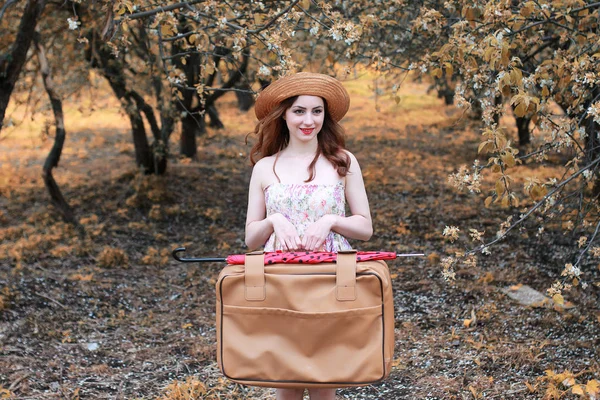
(308, 101)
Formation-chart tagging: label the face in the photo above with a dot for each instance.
(305, 117)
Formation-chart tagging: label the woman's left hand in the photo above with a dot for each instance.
(316, 233)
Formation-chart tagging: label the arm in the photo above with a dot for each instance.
(357, 226)
(258, 226)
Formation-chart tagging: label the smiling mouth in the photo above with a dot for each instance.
(307, 131)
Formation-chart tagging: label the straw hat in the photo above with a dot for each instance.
(304, 83)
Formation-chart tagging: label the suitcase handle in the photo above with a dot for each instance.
(345, 276)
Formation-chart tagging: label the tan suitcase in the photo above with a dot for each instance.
(305, 325)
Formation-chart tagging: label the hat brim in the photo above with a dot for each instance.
(307, 84)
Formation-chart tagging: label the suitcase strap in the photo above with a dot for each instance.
(345, 276)
(254, 276)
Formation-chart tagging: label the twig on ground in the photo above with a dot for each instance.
(51, 299)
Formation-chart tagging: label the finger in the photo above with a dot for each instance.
(298, 243)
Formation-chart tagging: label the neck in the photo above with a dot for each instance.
(302, 149)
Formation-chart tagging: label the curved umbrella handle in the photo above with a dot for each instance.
(178, 250)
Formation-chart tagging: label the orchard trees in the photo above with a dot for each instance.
(540, 57)
(169, 63)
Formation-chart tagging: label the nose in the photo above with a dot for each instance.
(308, 119)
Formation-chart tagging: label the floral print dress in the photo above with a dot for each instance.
(303, 204)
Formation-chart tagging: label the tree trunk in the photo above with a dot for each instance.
(132, 102)
(191, 126)
(244, 96)
(53, 158)
(143, 155)
(12, 63)
(523, 129)
(213, 115)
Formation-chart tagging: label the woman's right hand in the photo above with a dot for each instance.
(285, 232)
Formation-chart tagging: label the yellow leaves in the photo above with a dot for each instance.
(192, 388)
(471, 14)
(537, 192)
(81, 277)
(592, 388)
(66, 336)
(530, 387)
(123, 6)
(568, 379)
(467, 323)
(258, 18)
(6, 394)
(168, 30)
(112, 257)
(436, 73)
(524, 103)
(509, 159)
(208, 69)
(155, 213)
(527, 9)
(155, 257)
(500, 187)
(439, 71)
(487, 278)
(535, 189)
(305, 4)
(485, 147)
(488, 201)
(558, 299)
(474, 392)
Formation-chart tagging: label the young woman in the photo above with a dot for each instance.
(303, 176)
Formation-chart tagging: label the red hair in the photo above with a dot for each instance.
(274, 136)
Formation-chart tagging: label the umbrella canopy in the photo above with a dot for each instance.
(310, 257)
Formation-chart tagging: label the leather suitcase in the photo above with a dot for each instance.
(305, 325)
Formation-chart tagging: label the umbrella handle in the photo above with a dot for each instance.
(178, 250)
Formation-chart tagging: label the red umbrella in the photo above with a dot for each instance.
(297, 257)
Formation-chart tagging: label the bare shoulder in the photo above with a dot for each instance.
(265, 163)
(354, 166)
(263, 170)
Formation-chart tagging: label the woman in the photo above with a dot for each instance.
(303, 175)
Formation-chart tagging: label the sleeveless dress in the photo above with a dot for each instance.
(303, 204)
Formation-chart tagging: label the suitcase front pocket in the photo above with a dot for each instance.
(279, 345)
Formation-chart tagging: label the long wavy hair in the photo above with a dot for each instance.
(274, 136)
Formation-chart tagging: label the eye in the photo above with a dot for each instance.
(318, 111)
(298, 111)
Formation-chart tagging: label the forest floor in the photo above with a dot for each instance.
(110, 315)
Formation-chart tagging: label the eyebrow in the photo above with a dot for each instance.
(304, 108)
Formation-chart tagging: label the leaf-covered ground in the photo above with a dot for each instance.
(109, 315)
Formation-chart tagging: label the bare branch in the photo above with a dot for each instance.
(553, 20)
(5, 7)
(155, 11)
(589, 244)
(275, 18)
(535, 207)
